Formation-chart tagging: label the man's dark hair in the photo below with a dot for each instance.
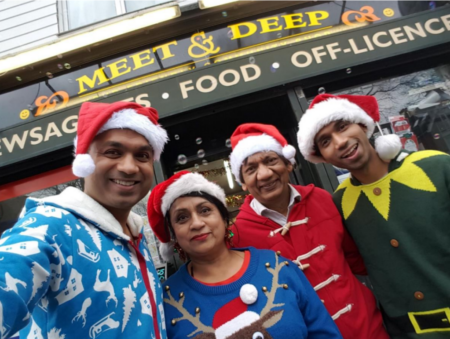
(213, 200)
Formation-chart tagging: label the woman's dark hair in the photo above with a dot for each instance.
(213, 200)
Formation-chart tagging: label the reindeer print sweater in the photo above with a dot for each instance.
(272, 299)
(67, 271)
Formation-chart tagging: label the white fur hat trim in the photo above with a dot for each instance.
(248, 294)
(323, 113)
(188, 183)
(255, 144)
(166, 250)
(129, 119)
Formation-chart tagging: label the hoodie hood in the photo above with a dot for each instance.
(84, 207)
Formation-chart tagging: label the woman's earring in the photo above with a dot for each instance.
(229, 236)
(180, 252)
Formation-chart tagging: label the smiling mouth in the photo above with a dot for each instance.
(269, 185)
(350, 152)
(124, 183)
(202, 236)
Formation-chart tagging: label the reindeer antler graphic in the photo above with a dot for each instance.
(275, 285)
(195, 320)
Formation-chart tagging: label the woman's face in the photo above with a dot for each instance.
(198, 226)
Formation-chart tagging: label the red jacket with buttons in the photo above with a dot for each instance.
(331, 253)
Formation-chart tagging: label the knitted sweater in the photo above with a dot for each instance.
(68, 271)
(280, 304)
(324, 244)
(401, 224)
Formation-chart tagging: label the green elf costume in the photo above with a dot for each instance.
(400, 223)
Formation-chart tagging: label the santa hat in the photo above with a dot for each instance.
(95, 118)
(232, 317)
(359, 109)
(165, 193)
(252, 138)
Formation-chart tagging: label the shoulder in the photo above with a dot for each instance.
(312, 191)
(176, 279)
(39, 214)
(427, 157)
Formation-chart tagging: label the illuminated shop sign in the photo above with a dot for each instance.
(201, 49)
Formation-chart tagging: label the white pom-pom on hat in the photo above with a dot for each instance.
(248, 294)
(388, 146)
(289, 152)
(83, 165)
(166, 250)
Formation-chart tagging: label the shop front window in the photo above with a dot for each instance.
(415, 106)
(202, 145)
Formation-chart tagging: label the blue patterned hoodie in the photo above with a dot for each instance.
(68, 271)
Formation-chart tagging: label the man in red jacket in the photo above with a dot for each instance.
(303, 224)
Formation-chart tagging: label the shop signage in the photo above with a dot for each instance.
(183, 55)
(242, 75)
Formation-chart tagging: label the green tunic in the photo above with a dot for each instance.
(401, 224)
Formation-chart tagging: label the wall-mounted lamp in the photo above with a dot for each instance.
(203, 4)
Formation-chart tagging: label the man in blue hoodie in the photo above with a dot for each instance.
(76, 265)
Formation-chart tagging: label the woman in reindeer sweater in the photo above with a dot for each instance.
(222, 293)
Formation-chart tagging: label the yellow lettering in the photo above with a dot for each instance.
(268, 26)
(166, 49)
(141, 56)
(115, 68)
(314, 17)
(99, 77)
(292, 19)
(235, 29)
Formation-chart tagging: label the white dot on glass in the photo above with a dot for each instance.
(276, 65)
(182, 159)
(165, 95)
(198, 141)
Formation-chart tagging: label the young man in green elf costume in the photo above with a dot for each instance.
(396, 205)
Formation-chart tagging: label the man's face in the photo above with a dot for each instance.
(123, 169)
(266, 176)
(345, 145)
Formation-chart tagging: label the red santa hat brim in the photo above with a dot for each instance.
(322, 114)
